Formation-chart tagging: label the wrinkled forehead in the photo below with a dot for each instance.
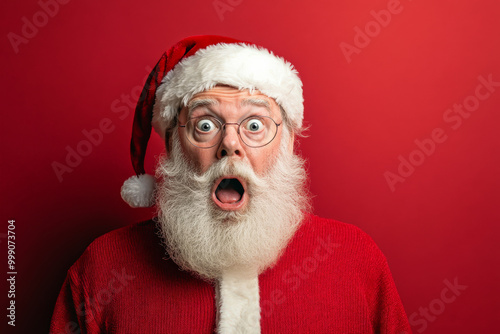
(226, 97)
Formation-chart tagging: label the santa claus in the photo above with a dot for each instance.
(234, 247)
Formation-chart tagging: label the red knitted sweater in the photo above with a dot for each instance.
(332, 278)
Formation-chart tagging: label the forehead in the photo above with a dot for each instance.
(224, 95)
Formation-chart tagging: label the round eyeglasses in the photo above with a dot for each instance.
(207, 131)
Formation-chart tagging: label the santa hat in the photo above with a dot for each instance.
(194, 65)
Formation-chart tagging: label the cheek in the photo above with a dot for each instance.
(204, 159)
(198, 157)
(262, 158)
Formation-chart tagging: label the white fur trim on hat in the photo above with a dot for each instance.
(138, 191)
(239, 65)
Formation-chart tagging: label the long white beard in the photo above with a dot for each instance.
(206, 240)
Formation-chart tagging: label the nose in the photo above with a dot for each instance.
(231, 144)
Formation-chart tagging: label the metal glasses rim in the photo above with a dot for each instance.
(223, 128)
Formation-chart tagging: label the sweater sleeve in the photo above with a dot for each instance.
(389, 316)
(65, 319)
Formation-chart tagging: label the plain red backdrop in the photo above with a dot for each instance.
(364, 111)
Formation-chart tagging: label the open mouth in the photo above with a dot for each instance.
(229, 193)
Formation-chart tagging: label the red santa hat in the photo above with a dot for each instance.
(194, 65)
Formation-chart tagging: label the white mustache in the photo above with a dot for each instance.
(196, 233)
(229, 166)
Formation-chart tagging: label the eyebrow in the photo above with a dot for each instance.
(193, 104)
(256, 102)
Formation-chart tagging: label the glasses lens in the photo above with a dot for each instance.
(257, 131)
(203, 131)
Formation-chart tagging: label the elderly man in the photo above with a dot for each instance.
(234, 247)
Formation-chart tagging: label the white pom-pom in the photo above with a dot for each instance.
(138, 191)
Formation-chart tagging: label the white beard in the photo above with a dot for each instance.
(206, 240)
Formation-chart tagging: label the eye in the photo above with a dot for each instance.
(254, 125)
(205, 125)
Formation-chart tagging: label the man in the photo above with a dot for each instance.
(234, 247)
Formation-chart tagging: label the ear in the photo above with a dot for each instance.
(168, 141)
(291, 141)
(168, 132)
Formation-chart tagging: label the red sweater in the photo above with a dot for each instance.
(332, 278)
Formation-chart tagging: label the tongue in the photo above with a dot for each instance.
(228, 195)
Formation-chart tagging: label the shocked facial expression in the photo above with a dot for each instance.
(227, 123)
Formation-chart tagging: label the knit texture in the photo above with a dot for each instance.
(332, 278)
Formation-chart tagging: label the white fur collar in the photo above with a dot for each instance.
(238, 304)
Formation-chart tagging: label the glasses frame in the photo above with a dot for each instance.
(223, 129)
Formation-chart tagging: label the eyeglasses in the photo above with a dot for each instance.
(207, 131)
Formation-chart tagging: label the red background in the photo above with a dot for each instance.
(440, 223)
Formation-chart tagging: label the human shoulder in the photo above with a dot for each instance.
(120, 247)
(344, 232)
(129, 233)
(347, 240)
